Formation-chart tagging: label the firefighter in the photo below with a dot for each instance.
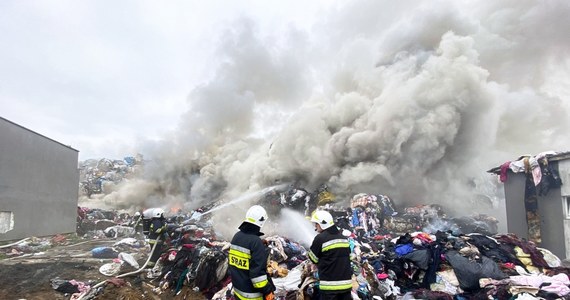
(137, 223)
(248, 259)
(330, 251)
(157, 229)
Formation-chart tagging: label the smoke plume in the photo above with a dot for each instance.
(412, 101)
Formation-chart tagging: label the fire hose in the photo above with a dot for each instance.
(95, 287)
(16, 243)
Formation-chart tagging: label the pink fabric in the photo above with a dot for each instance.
(82, 286)
(558, 283)
(504, 169)
(536, 175)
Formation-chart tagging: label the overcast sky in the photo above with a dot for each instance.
(101, 76)
(412, 99)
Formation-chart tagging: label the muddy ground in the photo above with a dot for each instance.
(28, 277)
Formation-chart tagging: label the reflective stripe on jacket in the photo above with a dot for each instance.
(157, 227)
(247, 296)
(330, 251)
(247, 261)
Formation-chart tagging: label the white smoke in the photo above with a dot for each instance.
(296, 227)
(412, 101)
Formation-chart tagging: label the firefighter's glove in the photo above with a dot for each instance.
(269, 296)
(162, 229)
(267, 290)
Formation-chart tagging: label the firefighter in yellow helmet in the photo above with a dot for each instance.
(248, 259)
(330, 251)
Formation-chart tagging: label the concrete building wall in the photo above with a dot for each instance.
(514, 204)
(554, 222)
(38, 184)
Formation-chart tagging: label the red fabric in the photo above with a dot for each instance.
(188, 246)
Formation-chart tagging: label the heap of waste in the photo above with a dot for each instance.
(396, 254)
(95, 175)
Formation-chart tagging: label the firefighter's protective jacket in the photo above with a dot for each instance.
(330, 251)
(248, 264)
(157, 228)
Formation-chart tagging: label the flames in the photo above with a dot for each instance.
(175, 208)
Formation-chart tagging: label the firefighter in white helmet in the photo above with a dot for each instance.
(330, 251)
(248, 259)
(157, 229)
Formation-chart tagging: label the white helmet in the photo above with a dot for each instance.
(256, 215)
(323, 218)
(158, 213)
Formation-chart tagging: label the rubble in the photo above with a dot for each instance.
(415, 252)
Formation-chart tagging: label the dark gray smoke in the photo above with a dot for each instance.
(412, 101)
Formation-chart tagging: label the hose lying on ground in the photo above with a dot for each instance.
(35, 255)
(21, 241)
(16, 243)
(90, 241)
(95, 287)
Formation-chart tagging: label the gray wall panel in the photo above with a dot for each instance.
(38, 183)
(514, 202)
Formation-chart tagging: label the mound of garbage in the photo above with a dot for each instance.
(411, 253)
(95, 175)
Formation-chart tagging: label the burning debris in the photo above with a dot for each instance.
(398, 121)
(396, 252)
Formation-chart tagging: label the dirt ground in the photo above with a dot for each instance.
(29, 277)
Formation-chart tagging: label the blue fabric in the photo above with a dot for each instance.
(403, 249)
(355, 220)
(388, 210)
(377, 265)
(104, 252)
(294, 248)
(130, 160)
